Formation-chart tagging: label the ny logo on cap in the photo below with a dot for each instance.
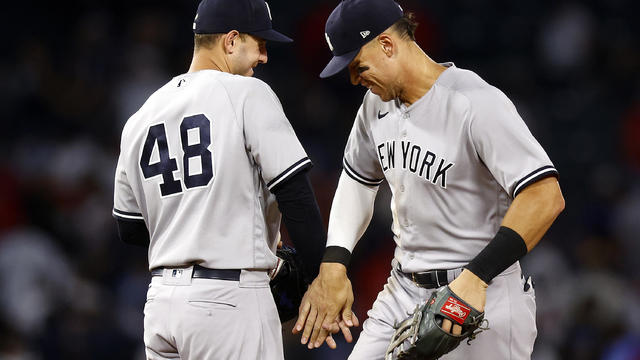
(326, 36)
(268, 10)
(365, 33)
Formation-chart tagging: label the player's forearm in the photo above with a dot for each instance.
(351, 212)
(301, 216)
(534, 210)
(528, 218)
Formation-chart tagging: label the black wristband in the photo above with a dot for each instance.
(337, 254)
(506, 248)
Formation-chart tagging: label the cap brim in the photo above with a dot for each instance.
(338, 63)
(271, 35)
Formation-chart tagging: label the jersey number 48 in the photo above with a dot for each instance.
(167, 165)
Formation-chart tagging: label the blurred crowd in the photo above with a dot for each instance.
(73, 72)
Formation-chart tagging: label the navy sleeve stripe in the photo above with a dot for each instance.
(359, 178)
(534, 176)
(119, 214)
(290, 171)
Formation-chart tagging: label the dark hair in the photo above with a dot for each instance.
(208, 40)
(406, 26)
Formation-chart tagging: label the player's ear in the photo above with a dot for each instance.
(386, 44)
(230, 40)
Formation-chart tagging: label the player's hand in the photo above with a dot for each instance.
(471, 289)
(329, 297)
(339, 325)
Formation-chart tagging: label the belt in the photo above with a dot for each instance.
(433, 278)
(206, 273)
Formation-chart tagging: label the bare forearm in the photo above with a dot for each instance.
(527, 219)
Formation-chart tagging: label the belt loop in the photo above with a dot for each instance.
(435, 274)
(254, 278)
(453, 274)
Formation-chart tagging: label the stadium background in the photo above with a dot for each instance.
(73, 71)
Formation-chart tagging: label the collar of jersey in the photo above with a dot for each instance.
(405, 108)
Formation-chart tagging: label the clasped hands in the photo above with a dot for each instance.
(326, 308)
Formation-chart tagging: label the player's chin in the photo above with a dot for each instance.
(380, 92)
(384, 96)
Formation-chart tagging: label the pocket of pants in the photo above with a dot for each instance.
(152, 293)
(212, 304)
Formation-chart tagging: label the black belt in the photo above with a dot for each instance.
(432, 279)
(205, 273)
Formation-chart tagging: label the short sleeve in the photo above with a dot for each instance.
(125, 206)
(360, 160)
(269, 136)
(504, 143)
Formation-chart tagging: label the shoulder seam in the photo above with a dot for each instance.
(226, 92)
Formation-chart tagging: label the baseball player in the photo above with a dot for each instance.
(472, 191)
(207, 166)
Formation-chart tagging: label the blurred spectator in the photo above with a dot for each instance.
(565, 39)
(36, 279)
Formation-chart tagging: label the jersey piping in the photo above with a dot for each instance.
(359, 178)
(127, 215)
(289, 172)
(534, 176)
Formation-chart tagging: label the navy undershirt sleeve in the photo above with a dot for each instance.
(301, 216)
(133, 232)
(300, 213)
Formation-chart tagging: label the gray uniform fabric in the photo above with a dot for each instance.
(197, 163)
(231, 222)
(454, 161)
(510, 310)
(196, 319)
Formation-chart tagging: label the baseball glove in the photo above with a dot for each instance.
(420, 335)
(288, 283)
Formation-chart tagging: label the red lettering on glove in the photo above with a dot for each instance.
(456, 310)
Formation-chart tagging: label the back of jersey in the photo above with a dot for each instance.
(196, 164)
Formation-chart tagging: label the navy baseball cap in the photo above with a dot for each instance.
(354, 23)
(247, 16)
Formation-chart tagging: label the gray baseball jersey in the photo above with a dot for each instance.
(196, 127)
(454, 160)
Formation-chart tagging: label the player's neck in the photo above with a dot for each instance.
(207, 60)
(419, 75)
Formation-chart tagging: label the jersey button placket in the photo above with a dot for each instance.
(403, 124)
(404, 221)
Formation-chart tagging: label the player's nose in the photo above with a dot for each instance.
(263, 56)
